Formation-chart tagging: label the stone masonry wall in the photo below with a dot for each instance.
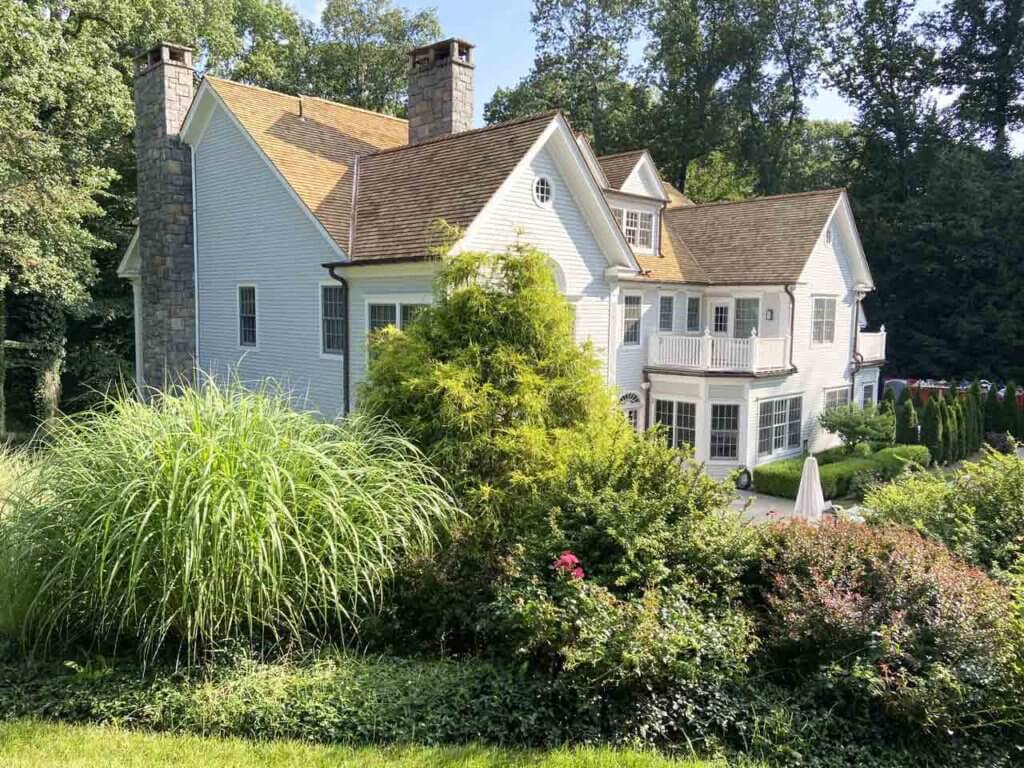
(440, 100)
(163, 94)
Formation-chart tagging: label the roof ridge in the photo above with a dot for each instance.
(759, 199)
(304, 96)
(551, 113)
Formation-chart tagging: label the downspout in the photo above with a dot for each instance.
(331, 269)
(857, 358)
(792, 323)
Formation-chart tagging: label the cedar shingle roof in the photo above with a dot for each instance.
(402, 192)
(675, 264)
(762, 241)
(618, 167)
(315, 148)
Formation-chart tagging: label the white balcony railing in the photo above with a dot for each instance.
(718, 353)
(871, 346)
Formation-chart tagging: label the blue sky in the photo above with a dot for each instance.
(500, 29)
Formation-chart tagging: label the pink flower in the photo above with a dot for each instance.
(568, 564)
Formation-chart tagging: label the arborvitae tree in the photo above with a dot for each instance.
(906, 423)
(994, 416)
(969, 422)
(975, 408)
(889, 398)
(917, 397)
(965, 427)
(950, 442)
(931, 430)
(904, 395)
(1011, 412)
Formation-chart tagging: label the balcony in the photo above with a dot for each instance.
(753, 354)
(871, 346)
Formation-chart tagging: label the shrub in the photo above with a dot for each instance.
(895, 459)
(995, 418)
(778, 478)
(854, 425)
(782, 478)
(335, 698)
(216, 514)
(880, 616)
(906, 423)
(14, 476)
(932, 430)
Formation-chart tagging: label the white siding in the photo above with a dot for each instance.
(377, 288)
(251, 230)
(559, 230)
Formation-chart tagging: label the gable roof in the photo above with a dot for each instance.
(766, 241)
(313, 143)
(617, 167)
(402, 192)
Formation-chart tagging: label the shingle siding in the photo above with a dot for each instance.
(250, 230)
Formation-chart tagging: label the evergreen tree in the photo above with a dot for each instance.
(931, 430)
(917, 397)
(965, 427)
(949, 431)
(1011, 411)
(904, 395)
(974, 402)
(994, 416)
(906, 423)
(890, 397)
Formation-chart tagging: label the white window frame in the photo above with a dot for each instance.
(640, 320)
(674, 429)
(814, 319)
(630, 221)
(785, 424)
(739, 431)
(238, 316)
(320, 302)
(647, 230)
(757, 314)
(397, 299)
(700, 308)
(843, 390)
(632, 404)
(671, 297)
(551, 191)
(863, 394)
(714, 304)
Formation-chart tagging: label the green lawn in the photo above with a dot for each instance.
(38, 745)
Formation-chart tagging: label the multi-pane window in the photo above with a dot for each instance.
(779, 425)
(399, 315)
(410, 312)
(747, 311)
(630, 405)
(836, 398)
(693, 314)
(824, 326)
(247, 315)
(666, 310)
(383, 315)
(631, 320)
(332, 319)
(869, 394)
(680, 421)
(631, 227)
(725, 431)
(645, 233)
(720, 319)
(636, 226)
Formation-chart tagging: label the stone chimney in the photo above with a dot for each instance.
(440, 90)
(163, 94)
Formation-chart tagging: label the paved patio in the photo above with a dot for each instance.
(762, 507)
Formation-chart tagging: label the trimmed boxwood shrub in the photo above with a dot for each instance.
(840, 472)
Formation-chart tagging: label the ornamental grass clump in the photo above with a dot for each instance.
(216, 515)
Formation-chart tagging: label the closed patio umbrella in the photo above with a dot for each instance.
(810, 501)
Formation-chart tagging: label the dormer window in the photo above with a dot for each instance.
(637, 226)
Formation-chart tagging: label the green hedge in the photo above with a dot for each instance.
(838, 471)
(336, 699)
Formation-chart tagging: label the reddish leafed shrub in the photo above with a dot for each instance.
(881, 615)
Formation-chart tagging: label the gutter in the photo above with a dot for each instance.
(331, 269)
(792, 323)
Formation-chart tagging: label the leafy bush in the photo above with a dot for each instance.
(658, 666)
(979, 514)
(854, 424)
(336, 698)
(217, 514)
(883, 617)
(896, 459)
(782, 478)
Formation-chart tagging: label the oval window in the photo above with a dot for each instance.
(542, 191)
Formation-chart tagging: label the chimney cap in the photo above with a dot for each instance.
(164, 52)
(442, 52)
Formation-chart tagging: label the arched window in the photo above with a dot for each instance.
(630, 404)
